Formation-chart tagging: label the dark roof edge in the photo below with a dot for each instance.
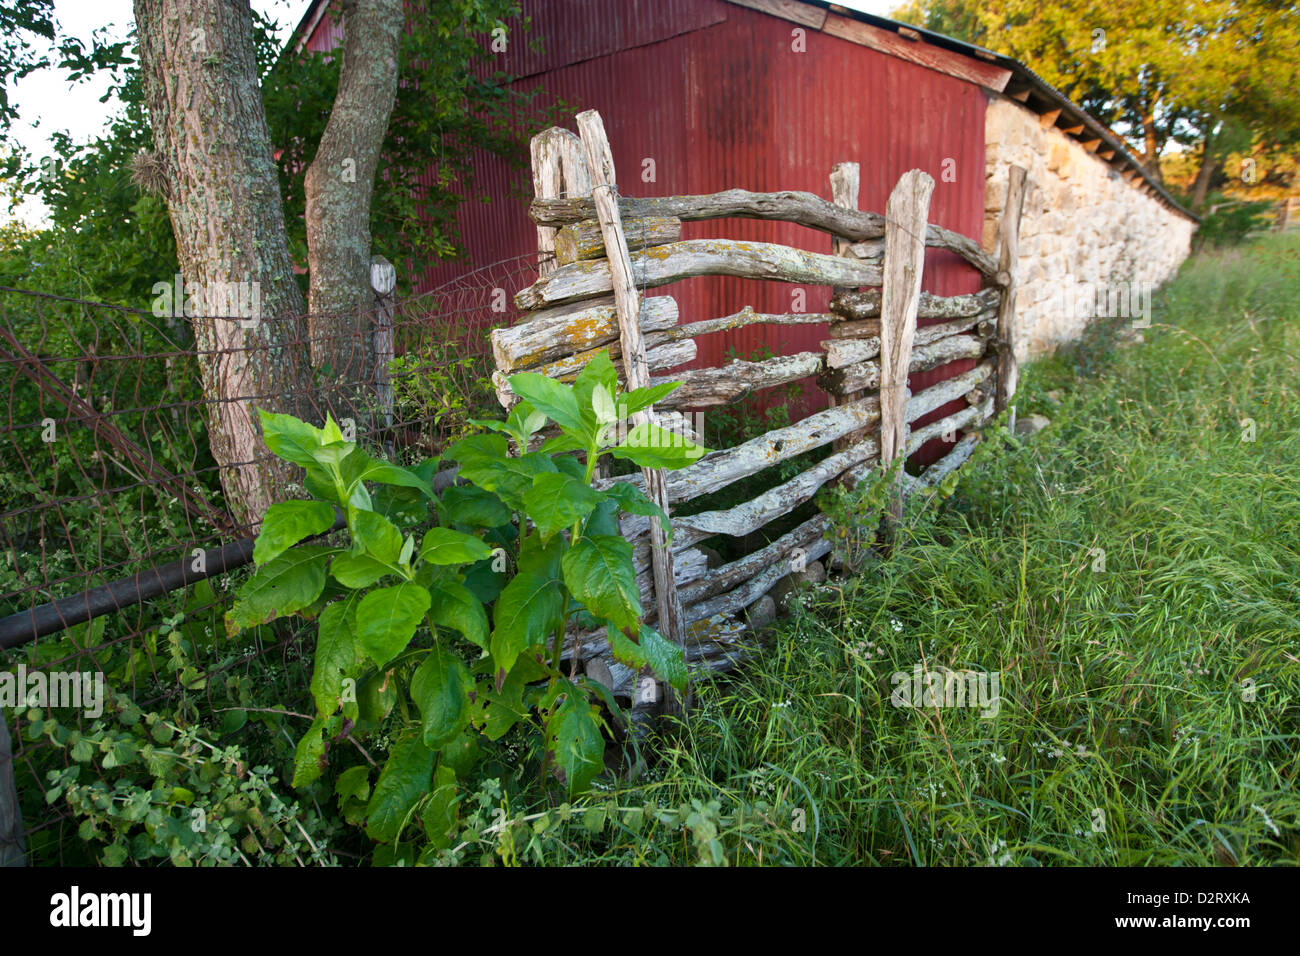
(1029, 79)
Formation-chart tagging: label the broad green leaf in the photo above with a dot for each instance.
(331, 432)
(477, 447)
(442, 810)
(309, 754)
(604, 519)
(440, 688)
(602, 404)
(650, 446)
(283, 585)
(402, 782)
(556, 501)
(353, 782)
(378, 536)
(640, 398)
(508, 478)
(336, 652)
(468, 505)
(560, 443)
(387, 619)
(527, 613)
(665, 658)
(290, 438)
(287, 523)
(445, 546)
(386, 473)
(625, 650)
(454, 606)
(574, 737)
(357, 570)
(599, 372)
(632, 500)
(556, 401)
(599, 572)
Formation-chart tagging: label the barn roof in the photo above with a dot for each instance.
(993, 71)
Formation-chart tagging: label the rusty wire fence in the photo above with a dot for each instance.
(108, 478)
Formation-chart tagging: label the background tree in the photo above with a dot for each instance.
(225, 207)
(1201, 75)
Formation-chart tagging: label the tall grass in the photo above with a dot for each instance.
(1131, 574)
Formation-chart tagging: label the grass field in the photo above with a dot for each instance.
(1131, 574)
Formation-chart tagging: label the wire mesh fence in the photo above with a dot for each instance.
(108, 474)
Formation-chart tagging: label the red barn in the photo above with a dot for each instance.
(700, 96)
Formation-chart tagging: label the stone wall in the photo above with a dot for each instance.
(1085, 234)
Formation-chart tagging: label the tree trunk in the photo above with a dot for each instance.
(1151, 143)
(339, 185)
(223, 196)
(1210, 163)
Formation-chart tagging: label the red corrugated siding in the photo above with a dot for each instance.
(729, 104)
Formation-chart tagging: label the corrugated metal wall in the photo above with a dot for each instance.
(710, 96)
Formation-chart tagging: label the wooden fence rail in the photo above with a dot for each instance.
(609, 249)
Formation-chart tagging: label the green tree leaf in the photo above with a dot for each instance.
(440, 688)
(443, 809)
(287, 523)
(556, 401)
(445, 546)
(556, 501)
(357, 570)
(387, 619)
(650, 446)
(599, 572)
(378, 536)
(666, 659)
(454, 606)
(625, 650)
(282, 586)
(290, 438)
(527, 613)
(468, 505)
(632, 500)
(402, 782)
(336, 652)
(640, 398)
(574, 737)
(386, 473)
(309, 755)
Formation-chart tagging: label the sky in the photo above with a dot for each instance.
(48, 103)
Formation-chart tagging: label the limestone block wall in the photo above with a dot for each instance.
(1083, 230)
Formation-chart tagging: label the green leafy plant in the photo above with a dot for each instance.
(404, 638)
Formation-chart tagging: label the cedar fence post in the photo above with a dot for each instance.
(1008, 278)
(559, 172)
(905, 220)
(627, 301)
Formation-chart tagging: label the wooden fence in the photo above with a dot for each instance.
(602, 251)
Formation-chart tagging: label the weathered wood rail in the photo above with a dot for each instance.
(601, 252)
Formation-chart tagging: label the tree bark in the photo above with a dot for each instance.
(223, 196)
(339, 185)
(1210, 163)
(1151, 143)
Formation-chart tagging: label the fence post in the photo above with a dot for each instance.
(383, 280)
(1008, 278)
(844, 193)
(627, 302)
(11, 817)
(905, 218)
(559, 170)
